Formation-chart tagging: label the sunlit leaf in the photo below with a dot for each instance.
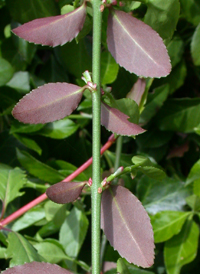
(127, 226)
(63, 193)
(73, 232)
(54, 30)
(182, 248)
(11, 181)
(23, 252)
(136, 46)
(167, 223)
(116, 121)
(194, 173)
(37, 267)
(157, 196)
(48, 103)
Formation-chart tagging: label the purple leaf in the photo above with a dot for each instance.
(136, 46)
(127, 226)
(116, 121)
(63, 193)
(37, 267)
(48, 103)
(137, 91)
(54, 30)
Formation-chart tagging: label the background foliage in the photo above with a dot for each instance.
(34, 156)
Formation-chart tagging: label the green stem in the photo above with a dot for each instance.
(96, 131)
(118, 152)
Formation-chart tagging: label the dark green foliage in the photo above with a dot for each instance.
(34, 156)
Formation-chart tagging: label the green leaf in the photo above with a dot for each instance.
(176, 78)
(129, 107)
(18, 52)
(194, 173)
(6, 71)
(194, 202)
(191, 11)
(152, 172)
(29, 218)
(154, 102)
(195, 49)
(123, 267)
(17, 127)
(23, 252)
(141, 160)
(109, 68)
(74, 57)
(73, 232)
(167, 223)
(196, 187)
(2, 252)
(51, 250)
(24, 11)
(20, 82)
(51, 209)
(59, 129)
(182, 248)
(11, 181)
(38, 169)
(179, 115)
(175, 50)
(30, 143)
(168, 195)
(163, 16)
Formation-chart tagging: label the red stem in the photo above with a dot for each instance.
(43, 197)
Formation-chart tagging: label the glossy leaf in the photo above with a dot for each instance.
(6, 71)
(168, 195)
(123, 267)
(182, 248)
(59, 129)
(51, 250)
(36, 267)
(29, 218)
(23, 252)
(117, 122)
(17, 127)
(152, 172)
(179, 115)
(133, 44)
(194, 173)
(48, 103)
(11, 181)
(55, 30)
(73, 232)
(127, 226)
(109, 68)
(20, 82)
(175, 50)
(28, 142)
(63, 193)
(194, 202)
(137, 91)
(38, 169)
(167, 223)
(195, 51)
(163, 16)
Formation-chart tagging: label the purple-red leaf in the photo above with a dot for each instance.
(37, 267)
(136, 46)
(48, 103)
(127, 226)
(54, 30)
(137, 91)
(63, 193)
(116, 121)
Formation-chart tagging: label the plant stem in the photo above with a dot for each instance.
(96, 131)
(118, 152)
